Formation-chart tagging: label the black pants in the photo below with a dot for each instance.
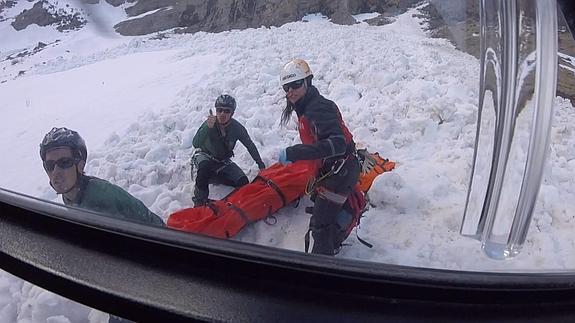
(209, 171)
(325, 230)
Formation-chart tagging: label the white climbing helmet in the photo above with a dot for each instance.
(294, 70)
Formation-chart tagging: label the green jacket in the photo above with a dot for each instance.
(102, 196)
(211, 141)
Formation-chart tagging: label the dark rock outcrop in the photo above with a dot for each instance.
(566, 78)
(116, 3)
(43, 14)
(37, 15)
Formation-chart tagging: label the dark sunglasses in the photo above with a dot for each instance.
(223, 110)
(294, 85)
(63, 163)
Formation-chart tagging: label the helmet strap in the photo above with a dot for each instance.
(308, 81)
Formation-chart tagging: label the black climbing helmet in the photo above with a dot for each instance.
(64, 137)
(226, 101)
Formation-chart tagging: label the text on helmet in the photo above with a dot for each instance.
(285, 77)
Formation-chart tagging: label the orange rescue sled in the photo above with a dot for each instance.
(273, 188)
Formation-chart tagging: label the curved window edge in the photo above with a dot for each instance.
(125, 272)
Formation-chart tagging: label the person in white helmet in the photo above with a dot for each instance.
(325, 138)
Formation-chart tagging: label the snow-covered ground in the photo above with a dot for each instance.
(138, 101)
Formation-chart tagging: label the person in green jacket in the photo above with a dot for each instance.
(64, 155)
(214, 142)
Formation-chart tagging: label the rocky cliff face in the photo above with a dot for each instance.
(453, 20)
(149, 16)
(220, 15)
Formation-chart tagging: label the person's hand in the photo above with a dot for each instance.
(261, 165)
(211, 120)
(282, 159)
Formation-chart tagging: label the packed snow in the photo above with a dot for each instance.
(138, 101)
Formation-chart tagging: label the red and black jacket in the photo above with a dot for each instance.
(322, 131)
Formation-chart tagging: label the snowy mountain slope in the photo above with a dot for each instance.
(138, 102)
(46, 43)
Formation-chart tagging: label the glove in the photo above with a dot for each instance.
(282, 159)
(261, 165)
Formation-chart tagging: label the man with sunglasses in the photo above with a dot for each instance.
(326, 139)
(64, 155)
(215, 141)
